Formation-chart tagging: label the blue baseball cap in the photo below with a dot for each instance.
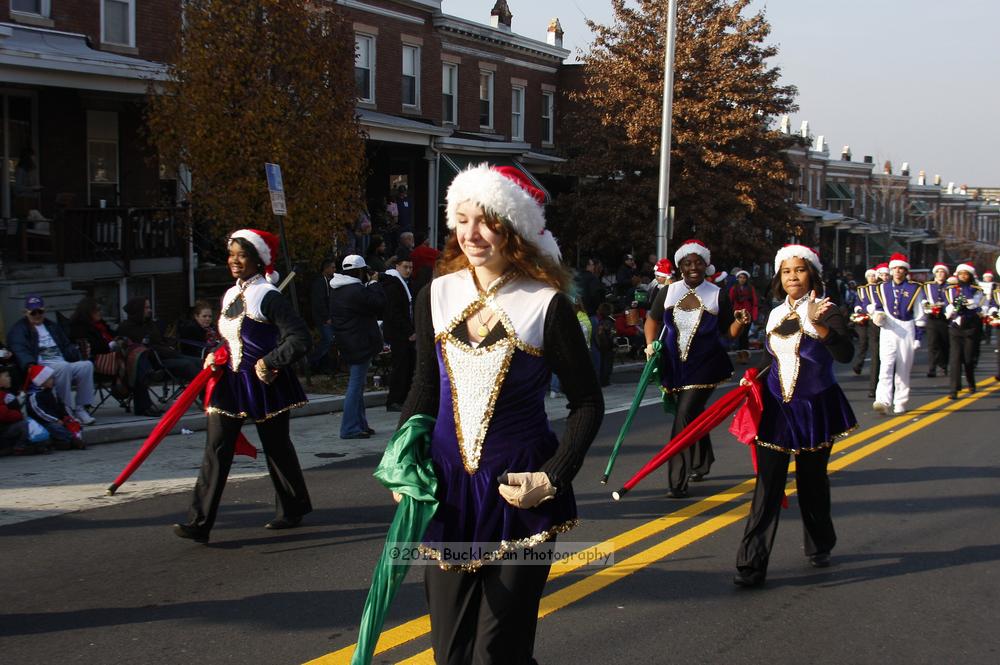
(34, 302)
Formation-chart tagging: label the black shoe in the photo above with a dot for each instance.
(358, 435)
(952, 395)
(369, 431)
(972, 389)
(284, 523)
(871, 394)
(748, 578)
(931, 375)
(820, 560)
(697, 477)
(394, 407)
(191, 532)
(857, 370)
(677, 494)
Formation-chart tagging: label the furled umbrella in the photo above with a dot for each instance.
(644, 380)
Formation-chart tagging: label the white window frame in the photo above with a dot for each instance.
(371, 64)
(44, 10)
(449, 73)
(491, 77)
(517, 113)
(131, 23)
(548, 114)
(416, 75)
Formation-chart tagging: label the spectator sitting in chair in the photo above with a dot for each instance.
(197, 334)
(35, 340)
(140, 327)
(627, 325)
(113, 357)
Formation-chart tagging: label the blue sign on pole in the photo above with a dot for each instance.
(276, 187)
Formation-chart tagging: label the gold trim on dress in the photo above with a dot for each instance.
(688, 328)
(796, 451)
(244, 414)
(505, 547)
(694, 386)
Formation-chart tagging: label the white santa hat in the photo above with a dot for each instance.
(966, 267)
(939, 266)
(898, 260)
(797, 252)
(505, 191)
(742, 272)
(266, 244)
(38, 375)
(698, 248)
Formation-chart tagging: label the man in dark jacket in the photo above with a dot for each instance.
(36, 340)
(356, 304)
(140, 327)
(319, 302)
(398, 331)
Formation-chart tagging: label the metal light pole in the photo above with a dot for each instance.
(665, 122)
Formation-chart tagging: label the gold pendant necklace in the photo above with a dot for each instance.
(482, 330)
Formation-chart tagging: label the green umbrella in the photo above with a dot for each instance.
(405, 469)
(647, 374)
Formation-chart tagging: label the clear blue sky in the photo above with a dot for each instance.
(905, 80)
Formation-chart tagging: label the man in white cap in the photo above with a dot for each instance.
(935, 300)
(898, 311)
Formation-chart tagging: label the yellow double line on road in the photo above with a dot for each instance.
(921, 417)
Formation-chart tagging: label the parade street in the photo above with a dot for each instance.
(915, 575)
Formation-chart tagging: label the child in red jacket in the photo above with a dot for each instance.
(13, 427)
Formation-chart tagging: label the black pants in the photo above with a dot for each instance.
(964, 345)
(699, 457)
(813, 487)
(404, 358)
(868, 335)
(282, 465)
(487, 616)
(606, 365)
(937, 344)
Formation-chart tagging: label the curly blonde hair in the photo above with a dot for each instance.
(524, 257)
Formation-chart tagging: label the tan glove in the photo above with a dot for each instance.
(528, 489)
(209, 361)
(649, 350)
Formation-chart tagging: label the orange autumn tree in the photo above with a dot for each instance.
(260, 81)
(728, 172)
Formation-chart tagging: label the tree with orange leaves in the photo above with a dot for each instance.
(729, 175)
(260, 81)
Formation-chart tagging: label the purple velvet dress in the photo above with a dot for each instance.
(707, 363)
(472, 520)
(804, 407)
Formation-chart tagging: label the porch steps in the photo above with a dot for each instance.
(58, 293)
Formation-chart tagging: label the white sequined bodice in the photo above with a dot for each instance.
(687, 322)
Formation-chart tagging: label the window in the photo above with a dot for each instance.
(118, 22)
(102, 158)
(364, 67)
(18, 155)
(486, 100)
(411, 75)
(449, 93)
(517, 114)
(548, 107)
(36, 7)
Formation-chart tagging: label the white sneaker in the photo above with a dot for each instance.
(80, 413)
(899, 409)
(879, 407)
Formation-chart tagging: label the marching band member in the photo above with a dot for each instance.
(963, 311)
(693, 315)
(935, 300)
(868, 333)
(897, 311)
(989, 287)
(804, 411)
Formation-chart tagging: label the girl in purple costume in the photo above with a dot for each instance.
(804, 411)
(491, 329)
(265, 337)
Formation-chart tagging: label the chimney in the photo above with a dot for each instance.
(905, 169)
(820, 141)
(963, 190)
(951, 188)
(887, 167)
(786, 125)
(868, 159)
(804, 130)
(500, 16)
(922, 178)
(555, 34)
(937, 180)
(845, 154)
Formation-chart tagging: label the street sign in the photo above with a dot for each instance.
(276, 188)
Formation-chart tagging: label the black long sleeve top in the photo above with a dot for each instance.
(294, 339)
(565, 351)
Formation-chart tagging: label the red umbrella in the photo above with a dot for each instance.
(703, 424)
(170, 418)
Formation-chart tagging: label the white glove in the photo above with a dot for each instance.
(878, 318)
(916, 344)
(527, 490)
(949, 312)
(649, 351)
(113, 345)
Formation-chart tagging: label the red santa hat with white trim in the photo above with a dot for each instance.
(966, 267)
(266, 244)
(37, 375)
(507, 192)
(663, 268)
(797, 252)
(882, 268)
(898, 260)
(940, 266)
(697, 248)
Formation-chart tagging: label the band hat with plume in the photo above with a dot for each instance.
(266, 244)
(506, 192)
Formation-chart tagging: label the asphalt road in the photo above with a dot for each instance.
(915, 578)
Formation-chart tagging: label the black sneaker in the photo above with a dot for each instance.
(820, 560)
(748, 578)
(191, 532)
